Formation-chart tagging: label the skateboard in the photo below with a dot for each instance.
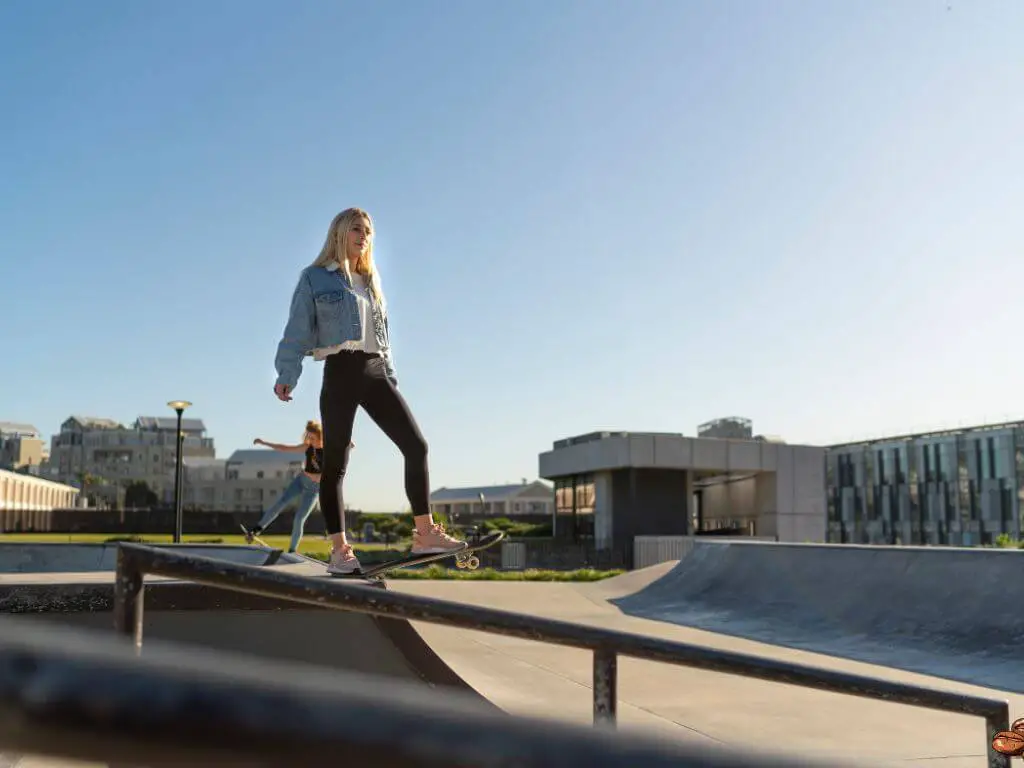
(464, 558)
(262, 543)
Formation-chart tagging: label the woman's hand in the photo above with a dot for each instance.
(283, 392)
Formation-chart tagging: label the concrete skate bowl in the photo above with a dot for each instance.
(72, 585)
(946, 612)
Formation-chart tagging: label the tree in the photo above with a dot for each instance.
(138, 494)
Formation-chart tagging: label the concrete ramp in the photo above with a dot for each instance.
(947, 612)
(72, 585)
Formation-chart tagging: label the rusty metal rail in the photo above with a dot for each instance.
(135, 561)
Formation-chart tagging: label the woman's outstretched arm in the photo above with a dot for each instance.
(280, 446)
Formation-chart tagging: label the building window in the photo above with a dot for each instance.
(575, 499)
(575, 495)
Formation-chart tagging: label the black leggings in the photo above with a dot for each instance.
(352, 379)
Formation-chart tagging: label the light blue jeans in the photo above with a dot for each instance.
(307, 494)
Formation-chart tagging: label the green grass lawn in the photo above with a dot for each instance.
(319, 548)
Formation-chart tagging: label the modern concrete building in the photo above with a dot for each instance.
(524, 498)
(21, 447)
(960, 487)
(27, 501)
(614, 486)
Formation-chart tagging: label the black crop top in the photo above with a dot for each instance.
(314, 460)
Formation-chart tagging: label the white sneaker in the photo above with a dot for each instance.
(434, 541)
(343, 561)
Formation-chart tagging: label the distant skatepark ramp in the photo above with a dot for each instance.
(947, 612)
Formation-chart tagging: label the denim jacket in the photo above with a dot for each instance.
(324, 313)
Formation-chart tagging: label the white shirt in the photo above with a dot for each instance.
(368, 343)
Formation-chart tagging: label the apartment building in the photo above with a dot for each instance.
(21, 447)
(118, 455)
(249, 480)
(959, 487)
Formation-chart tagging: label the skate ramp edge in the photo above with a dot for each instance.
(627, 583)
(31, 558)
(934, 610)
(74, 587)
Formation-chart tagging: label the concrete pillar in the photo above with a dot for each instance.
(603, 513)
(766, 503)
(688, 500)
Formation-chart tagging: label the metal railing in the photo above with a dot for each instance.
(84, 696)
(135, 561)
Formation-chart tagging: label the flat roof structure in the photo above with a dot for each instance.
(663, 483)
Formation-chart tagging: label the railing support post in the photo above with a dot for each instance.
(995, 722)
(605, 684)
(128, 599)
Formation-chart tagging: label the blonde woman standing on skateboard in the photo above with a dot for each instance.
(304, 489)
(338, 314)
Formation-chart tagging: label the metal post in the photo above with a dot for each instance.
(605, 694)
(994, 723)
(128, 599)
(177, 482)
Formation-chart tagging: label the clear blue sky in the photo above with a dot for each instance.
(591, 215)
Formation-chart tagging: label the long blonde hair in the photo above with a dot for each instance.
(335, 250)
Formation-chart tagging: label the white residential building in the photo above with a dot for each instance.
(27, 501)
(250, 480)
(525, 498)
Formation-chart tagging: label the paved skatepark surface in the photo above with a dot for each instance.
(539, 679)
(528, 677)
(940, 611)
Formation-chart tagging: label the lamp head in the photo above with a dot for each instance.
(179, 405)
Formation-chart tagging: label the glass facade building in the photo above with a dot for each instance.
(954, 488)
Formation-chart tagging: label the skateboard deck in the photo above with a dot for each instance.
(262, 543)
(464, 558)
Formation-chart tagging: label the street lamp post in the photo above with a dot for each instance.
(483, 516)
(179, 407)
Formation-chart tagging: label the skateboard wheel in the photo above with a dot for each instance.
(460, 563)
(473, 563)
